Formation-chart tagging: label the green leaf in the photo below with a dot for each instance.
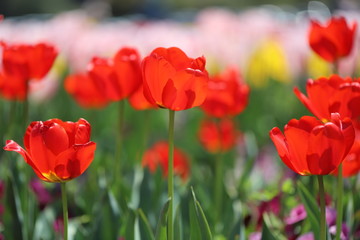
(201, 219)
(44, 225)
(178, 230)
(147, 228)
(195, 232)
(161, 229)
(266, 233)
(130, 225)
(312, 208)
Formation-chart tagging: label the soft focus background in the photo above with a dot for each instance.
(266, 42)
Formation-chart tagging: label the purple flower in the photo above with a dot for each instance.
(42, 194)
(255, 236)
(330, 216)
(297, 214)
(344, 235)
(58, 225)
(307, 236)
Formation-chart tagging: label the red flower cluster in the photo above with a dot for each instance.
(173, 80)
(227, 95)
(107, 79)
(22, 63)
(336, 94)
(333, 41)
(57, 151)
(333, 94)
(311, 147)
(218, 136)
(158, 156)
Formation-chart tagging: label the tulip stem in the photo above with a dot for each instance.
(339, 206)
(118, 150)
(65, 209)
(218, 186)
(25, 112)
(171, 174)
(322, 208)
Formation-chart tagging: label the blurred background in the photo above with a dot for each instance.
(150, 8)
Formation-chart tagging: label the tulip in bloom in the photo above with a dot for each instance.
(173, 80)
(333, 94)
(106, 80)
(227, 95)
(351, 163)
(57, 151)
(138, 101)
(218, 136)
(89, 89)
(22, 63)
(311, 147)
(334, 40)
(158, 156)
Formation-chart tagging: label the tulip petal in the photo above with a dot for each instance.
(74, 161)
(127, 67)
(169, 96)
(56, 138)
(42, 157)
(281, 146)
(326, 149)
(297, 136)
(157, 72)
(13, 146)
(175, 56)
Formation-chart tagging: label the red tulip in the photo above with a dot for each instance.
(127, 67)
(22, 63)
(93, 89)
(333, 41)
(310, 147)
(218, 136)
(158, 156)
(351, 163)
(106, 80)
(333, 94)
(173, 80)
(227, 95)
(57, 151)
(138, 101)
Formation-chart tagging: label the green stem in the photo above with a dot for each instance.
(65, 209)
(322, 208)
(218, 186)
(119, 136)
(171, 174)
(28, 205)
(339, 204)
(25, 113)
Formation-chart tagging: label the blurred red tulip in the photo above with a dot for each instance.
(85, 91)
(173, 80)
(128, 70)
(227, 95)
(310, 147)
(333, 94)
(333, 41)
(218, 136)
(106, 80)
(351, 163)
(22, 63)
(138, 101)
(158, 156)
(57, 151)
